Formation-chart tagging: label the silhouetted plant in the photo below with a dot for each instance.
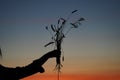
(58, 34)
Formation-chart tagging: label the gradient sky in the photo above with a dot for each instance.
(91, 49)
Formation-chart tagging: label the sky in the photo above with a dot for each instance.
(92, 51)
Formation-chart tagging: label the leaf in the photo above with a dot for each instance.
(62, 19)
(79, 23)
(62, 23)
(55, 28)
(75, 26)
(49, 44)
(52, 28)
(58, 21)
(46, 28)
(81, 19)
(74, 11)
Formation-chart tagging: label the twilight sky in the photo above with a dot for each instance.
(92, 48)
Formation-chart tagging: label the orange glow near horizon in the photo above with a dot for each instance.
(74, 77)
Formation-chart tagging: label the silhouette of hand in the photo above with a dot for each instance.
(54, 53)
(39, 62)
(41, 69)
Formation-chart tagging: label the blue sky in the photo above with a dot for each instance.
(23, 34)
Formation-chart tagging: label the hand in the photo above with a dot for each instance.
(54, 53)
(41, 69)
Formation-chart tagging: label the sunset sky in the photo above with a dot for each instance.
(92, 51)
